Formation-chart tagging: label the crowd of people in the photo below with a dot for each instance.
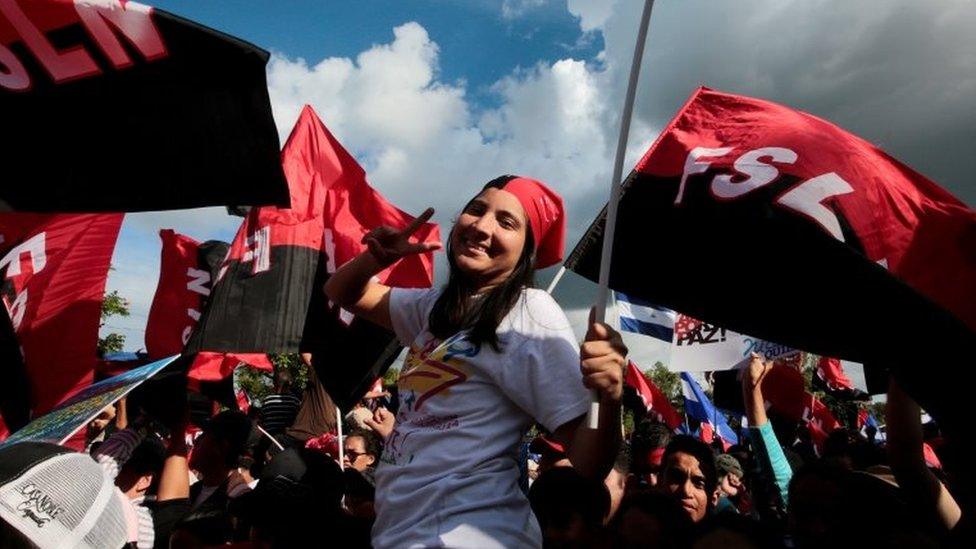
(446, 461)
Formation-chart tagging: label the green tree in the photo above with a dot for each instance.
(668, 382)
(259, 383)
(112, 305)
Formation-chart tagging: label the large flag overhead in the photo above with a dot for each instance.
(110, 105)
(781, 225)
(699, 406)
(53, 284)
(268, 294)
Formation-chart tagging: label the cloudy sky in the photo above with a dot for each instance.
(434, 97)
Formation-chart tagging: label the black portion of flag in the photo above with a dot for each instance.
(191, 129)
(259, 313)
(347, 358)
(15, 404)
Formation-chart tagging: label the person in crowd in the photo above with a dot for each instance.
(617, 480)
(653, 519)
(774, 469)
(570, 508)
(360, 450)
(488, 357)
(649, 440)
(215, 458)
(551, 453)
(689, 476)
(296, 502)
(280, 407)
(316, 414)
(729, 482)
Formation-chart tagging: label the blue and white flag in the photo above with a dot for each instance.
(698, 406)
(641, 317)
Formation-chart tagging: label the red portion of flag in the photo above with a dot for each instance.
(654, 399)
(184, 285)
(784, 390)
(54, 284)
(352, 208)
(832, 373)
(216, 366)
(931, 459)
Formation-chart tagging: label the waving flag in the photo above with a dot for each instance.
(268, 295)
(641, 317)
(186, 270)
(829, 377)
(746, 190)
(53, 276)
(653, 398)
(698, 406)
(110, 105)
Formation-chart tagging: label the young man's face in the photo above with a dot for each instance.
(682, 479)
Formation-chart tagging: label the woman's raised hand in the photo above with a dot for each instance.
(388, 245)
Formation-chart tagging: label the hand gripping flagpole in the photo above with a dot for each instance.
(603, 291)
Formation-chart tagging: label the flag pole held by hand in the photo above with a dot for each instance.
(593, 416)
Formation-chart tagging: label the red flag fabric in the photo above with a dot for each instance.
(739, 180)
(654, 399)
(53, 284)
(830, 371)
(182, 292)
(217, 366)
(784, 390)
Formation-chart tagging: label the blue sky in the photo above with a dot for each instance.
(435, 97)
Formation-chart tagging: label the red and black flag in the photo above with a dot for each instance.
(53, 270)
(268, 295)
(186, 271)
(776, 223)
(110, 105)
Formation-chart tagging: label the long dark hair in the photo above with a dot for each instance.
(454, 309)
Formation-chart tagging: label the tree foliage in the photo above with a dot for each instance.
(112, 305)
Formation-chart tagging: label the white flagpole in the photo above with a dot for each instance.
(593, 418)
(339, 429)
(556, 279)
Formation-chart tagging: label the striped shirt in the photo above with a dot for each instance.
(278, 412)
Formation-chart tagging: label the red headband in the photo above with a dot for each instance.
(544, 208)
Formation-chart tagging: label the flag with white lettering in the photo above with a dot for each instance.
(776, 223)
(53, 277)
(110, 105)
(186, 268)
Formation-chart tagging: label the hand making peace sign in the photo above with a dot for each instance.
(388, 245)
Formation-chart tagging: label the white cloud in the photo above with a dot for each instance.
(593, 14)
(512, 9)
(420, 140)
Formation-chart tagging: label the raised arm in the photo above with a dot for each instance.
(352, 286)
(770, 455)
(603, 357)
(904, 435)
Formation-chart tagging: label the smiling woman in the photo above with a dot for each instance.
(489, 356)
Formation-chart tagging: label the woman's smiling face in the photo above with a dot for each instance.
(489, 236)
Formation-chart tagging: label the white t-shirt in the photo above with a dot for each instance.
(449, 475)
